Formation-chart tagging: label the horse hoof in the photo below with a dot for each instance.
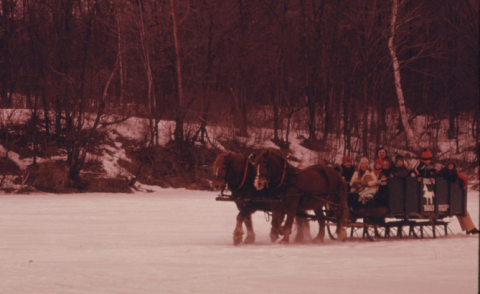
(342, 235)
(237, 240)
(274, 237)
(299, 240)
(284, 241)
(317, 240)
(249, 240)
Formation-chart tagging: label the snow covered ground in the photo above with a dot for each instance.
(179, 241)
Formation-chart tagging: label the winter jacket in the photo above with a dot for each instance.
(400, 172)
(347, 173)
(383, 176)
(359, 180)
(422, 170)
(452, 176)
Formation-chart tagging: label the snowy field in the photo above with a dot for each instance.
(179, 241)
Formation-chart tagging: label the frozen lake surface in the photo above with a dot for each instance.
(179, 241)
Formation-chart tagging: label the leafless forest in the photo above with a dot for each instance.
(328, 67)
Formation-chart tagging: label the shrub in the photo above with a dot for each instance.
(50, 176)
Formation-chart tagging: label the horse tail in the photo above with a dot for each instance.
(342, 212)
(342, 196)
(341, 189)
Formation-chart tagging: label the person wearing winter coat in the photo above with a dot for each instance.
(400, 170)
(452, 175)
(422, 169)
(382, 154)
(377, 167)
(385, 173)
(364, 182)
(347, 168)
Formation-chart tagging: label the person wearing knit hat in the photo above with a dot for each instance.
(427, 155)
(422, 169)
(399, 157)
(347, 168)
(399, 170)
(452, 175)
(426, 174)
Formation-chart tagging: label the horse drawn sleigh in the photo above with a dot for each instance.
(273, 185)
(411, 210)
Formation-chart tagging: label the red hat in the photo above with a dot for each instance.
(426, 154)
(378, 160)
(346, 158)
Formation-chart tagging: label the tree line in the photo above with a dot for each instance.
(323, 66)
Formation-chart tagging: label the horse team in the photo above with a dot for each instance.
(269, 182)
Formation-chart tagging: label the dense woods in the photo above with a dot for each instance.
(324, 67)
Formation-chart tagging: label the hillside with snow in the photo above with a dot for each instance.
(116, 155)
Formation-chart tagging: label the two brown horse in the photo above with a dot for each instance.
(301, 190)
(235, 171)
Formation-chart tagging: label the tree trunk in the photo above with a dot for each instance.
(148, 71)
(365, 132)
(207, 79)
(346, 123)
(411, 141)
(179, 114)
(120, 59)
(275, 95)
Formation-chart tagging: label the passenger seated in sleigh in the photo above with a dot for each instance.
(398, 171)
(364, 185)
(381, 197)
(370, 191)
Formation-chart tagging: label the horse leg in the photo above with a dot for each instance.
(287, 228)
(303, 230)
(238, 232)
(250, 233)
(299, 236)
(276, 230)
(341, 233)
(321, 226)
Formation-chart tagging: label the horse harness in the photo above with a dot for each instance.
(303, 194)
(227, 169)
(283, 175)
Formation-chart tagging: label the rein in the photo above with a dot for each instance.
(319, 196)
(228, 168)
(245, 175)
(283, 175)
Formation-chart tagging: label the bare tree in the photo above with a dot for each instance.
(145, 49)
(9, 58)
(179, 117)
(410, 137)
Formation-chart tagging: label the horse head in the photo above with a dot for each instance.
(269, 166)
(228, 169)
